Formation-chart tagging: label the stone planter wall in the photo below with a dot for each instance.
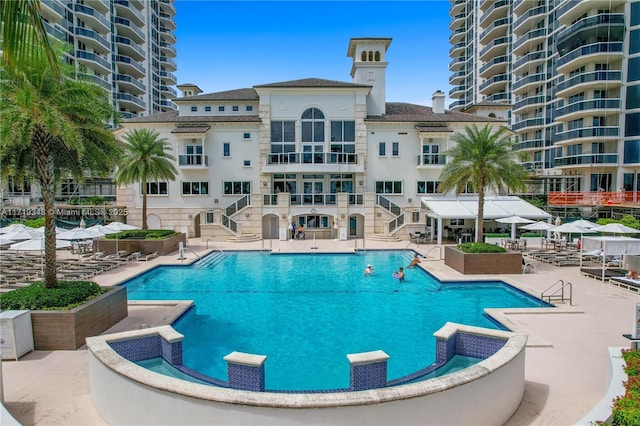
(67, 330)
(163, 247)
(483, 263)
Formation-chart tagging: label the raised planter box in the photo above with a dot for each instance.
(130, 245)
(483, 263)
(67, 330)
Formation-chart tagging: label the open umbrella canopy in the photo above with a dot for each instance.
(585, 223)
(119, 226)
(570, 228)
(25, 234)
(78, 234)
(37, 244)
(538, 226)
(616, 228)
(513, 220)
(12, 228)
(5, 241)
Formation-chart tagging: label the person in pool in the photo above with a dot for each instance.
(414, 261)
(399, 274)
(368, 270)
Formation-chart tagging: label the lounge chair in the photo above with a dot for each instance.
(626, 283)
(527, 265)
(148, 256)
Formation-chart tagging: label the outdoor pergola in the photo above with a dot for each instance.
(466, 207)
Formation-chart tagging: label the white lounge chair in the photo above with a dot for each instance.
(148, 256)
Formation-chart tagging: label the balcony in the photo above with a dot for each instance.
(530, 60)
(167, 104)
(520, 6)
(168, 63)
(457, 77)
(426, 160)
(498, 81)
(127, 100)
(602, 25)
(591, 80)
(527, 103)
(582, 108)
(498, 97)
(127, 65)
(93, 61)
(457, 49)
(55, 32)
(193, 161)
(527, 145)
(533, 166)
(457, 36)
(494, 30)
(530, 122)
(499, 9)
(457, 63)
(587, 160)
(457, 104)
(127, 10)
(167, 21)
(529, 40)
(497, 47)
(167, 6)
(607, 52)
(130, 84)
(95, 80)
(313, 199)
(530, 19)
(93, 39)
(167, 78)
(457, 91)
(457, 7)
(494, 66)
(168, 50)
(523, 84)
(52, 11)
(128, 47)
(313, 162)
(101, 6)
(126, 28)
(587, 134)
(95, 19)
(572, 10)
(167, 35)
(168, 92)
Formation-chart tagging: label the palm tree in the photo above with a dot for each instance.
(23, 32)
(485, 159)
(52, 128)
(145, 158)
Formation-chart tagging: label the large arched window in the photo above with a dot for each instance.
(313, 135)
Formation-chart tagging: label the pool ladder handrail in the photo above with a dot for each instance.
(426, 255)
(215, 245)
(196, 254)
(355, 245)
(262, 247)
(557, 287)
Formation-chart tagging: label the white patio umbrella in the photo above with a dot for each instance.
(570, 228)
(37, 244)
(58, 230)
(118, 227)
(616, 228)
(12, 228)
(4, 241)
(77, 234)
(25, 234)
(513, 220)
(585, 223)
(538, 226)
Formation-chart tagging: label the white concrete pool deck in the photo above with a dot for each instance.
(566, 356)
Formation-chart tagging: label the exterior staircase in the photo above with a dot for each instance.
(383, 237)
(244, 238)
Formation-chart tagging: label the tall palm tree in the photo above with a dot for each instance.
(483, 158)
(50, 129)
(23, 32)
(145, 158)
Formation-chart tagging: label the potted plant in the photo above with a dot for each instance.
(482, 258)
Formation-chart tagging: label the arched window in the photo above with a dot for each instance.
(492, 115)
(363, 56)
(371, 55)
(377, 56)
(312, 136)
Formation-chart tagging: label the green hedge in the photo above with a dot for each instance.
(143, 234)
(68, 295)
(480, 248)
(626, 409)
(496, 235)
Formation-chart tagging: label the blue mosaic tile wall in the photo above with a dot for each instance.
(138, 349)
(445, 349)
(246, 377)
(369, 376)
(171, 352)
(475, 346)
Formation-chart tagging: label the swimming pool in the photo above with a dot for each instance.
(307, 312)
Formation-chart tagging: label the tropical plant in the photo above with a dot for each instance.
(24, 35)
(53, 128)
(483, 158)
(146, 158)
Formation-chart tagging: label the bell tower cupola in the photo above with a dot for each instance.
(369, 68)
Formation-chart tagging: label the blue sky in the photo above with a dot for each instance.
(225, 45)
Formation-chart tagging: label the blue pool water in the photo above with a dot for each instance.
(307, 312)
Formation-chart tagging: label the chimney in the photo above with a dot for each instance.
(437, 102)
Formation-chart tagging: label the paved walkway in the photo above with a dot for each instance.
(566, 355)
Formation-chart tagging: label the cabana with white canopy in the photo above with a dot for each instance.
(463, 207)
(611, 246)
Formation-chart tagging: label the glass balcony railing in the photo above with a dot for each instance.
(130, 98)
(532, 144)
(492, 8)
(96, 80)
(527, 80)
(494, 61)
(127, 60)
(496, 42)
(82, 54)
(540, 32)
(586, 159)
(312, 158)
(531, 100)
(493, 26)
(587, 132)
(313, 199)
(128, 79)
(598, 104)
(131, 45)
(530, 122)
(590, 49)
(592, 21)
(193, 160)
(494, 79)
(589, 77)
(431, 160)
(130, 26)
(528, 14)
(80, 8)
(530, 57)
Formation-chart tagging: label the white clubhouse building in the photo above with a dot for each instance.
(332, 156)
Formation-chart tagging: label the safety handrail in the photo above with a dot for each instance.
(262, 247)
(554, 295)
(432, 249)
(191, 250)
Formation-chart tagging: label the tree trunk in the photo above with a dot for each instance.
(144, 204)
(43, 158)
(480, 218)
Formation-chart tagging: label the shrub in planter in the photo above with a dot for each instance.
(146, 234)
(480, 248)
(626, 409)
(68, 295)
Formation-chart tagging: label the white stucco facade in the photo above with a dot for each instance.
(332, 156)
